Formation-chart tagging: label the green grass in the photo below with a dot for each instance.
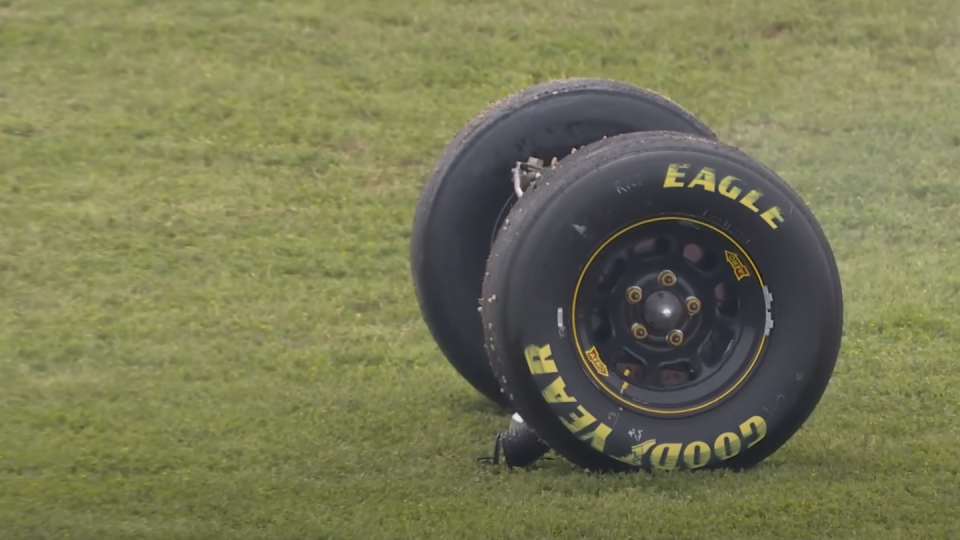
(207, 327)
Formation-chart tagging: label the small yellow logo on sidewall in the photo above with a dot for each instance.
(739, 269)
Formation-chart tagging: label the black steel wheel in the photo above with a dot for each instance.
(676, 327)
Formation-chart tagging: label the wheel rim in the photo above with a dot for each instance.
(670, 316)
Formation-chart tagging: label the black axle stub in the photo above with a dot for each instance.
(484, 170)
(662, 301)
(519, 445)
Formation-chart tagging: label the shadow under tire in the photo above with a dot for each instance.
(590, 326)
(469, 194)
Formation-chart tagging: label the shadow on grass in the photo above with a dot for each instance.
(559, 477)
(813, 466)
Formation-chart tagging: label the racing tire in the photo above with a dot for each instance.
(662, 301)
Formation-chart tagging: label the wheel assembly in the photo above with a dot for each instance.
(476, 181)
(649, 297)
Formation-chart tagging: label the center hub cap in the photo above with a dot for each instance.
(662, 310)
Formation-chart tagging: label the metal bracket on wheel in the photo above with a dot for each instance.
(525, 173)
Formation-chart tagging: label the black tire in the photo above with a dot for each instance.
(469, 192)
(784, 277)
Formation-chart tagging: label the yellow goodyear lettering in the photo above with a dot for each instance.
(727, 445)
(598, 437)
(556, 392)
(706, 180)
(740, 270)
(696, 454)
(581, 419)
(665, 456)
(594, 357)
(538, 359)
(578, 420)
(754, 428)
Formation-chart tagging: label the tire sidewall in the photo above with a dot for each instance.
(797, 269)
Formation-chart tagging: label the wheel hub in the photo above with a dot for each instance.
(663, 310)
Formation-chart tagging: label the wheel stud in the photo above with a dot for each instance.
(667, 278)
(693, 305)
(675, 337)
(639, 331)
(634, 295)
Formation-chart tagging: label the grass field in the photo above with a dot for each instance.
(207, 327)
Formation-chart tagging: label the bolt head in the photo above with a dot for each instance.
(638, 331)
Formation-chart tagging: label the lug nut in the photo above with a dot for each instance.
(634, 295)
(667, 278)
(693, 305)
(639, 331)
(675, 338)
